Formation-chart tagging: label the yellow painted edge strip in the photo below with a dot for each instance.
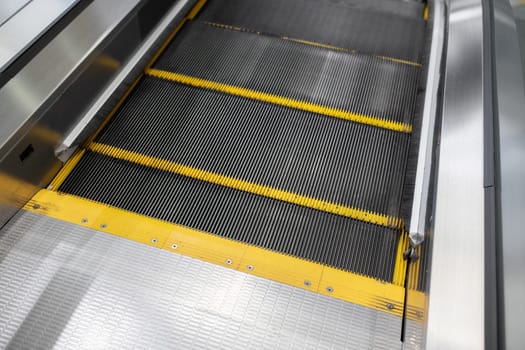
(261, 262)
(222, 180)
(425, 12)
(413, 279)
(191, 15)
(313, 43)
(114, 110)
(283, 101)
(66, 169)
(400, 264)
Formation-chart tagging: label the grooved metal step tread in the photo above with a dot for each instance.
(357, 83)
(329, 239)
(365, 30)
(305, 153)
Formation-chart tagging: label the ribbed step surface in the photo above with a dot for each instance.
(310, 154)
(306, 233)
(363, 28)
(351, 82)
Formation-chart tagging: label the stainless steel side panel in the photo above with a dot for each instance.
(456, 297)
(27, 24)
(511, 187)
(39, 103)
(8, 8)
(23, 95)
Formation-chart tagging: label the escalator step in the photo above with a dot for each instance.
(350, 82)
(287, 228)
(321, 157)
(360, 28)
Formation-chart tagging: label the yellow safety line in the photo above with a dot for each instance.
(222, 180)
(312, 43)
(413, 278)
(425, 12)
(66, 169)
(191, 15)
(114, 110)
(261, 262)
(400, 264)
(282, 101)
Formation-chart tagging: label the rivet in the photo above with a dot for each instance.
(249, 267)
(84, 220)
(329, 289)
(174, 246)
(36, 206)
(307, 283)
(229, 262)
(390, 306)
(154, 240)
(103, 225)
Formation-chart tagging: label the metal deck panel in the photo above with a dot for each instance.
(63, 286)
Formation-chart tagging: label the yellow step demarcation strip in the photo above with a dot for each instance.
(312, 43)
(401, 263)
(261, 262)
(222, 180)
(279, 100)
(190, 16)
(425, 12)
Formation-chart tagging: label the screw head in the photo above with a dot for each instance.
(36, 206)
(329, 289)
(390, 306)
(174, 246)
(229, 261)
(84, 220)
(419, 314)
(307, 283)
(154, 240)
(249, 267)
(103, 225)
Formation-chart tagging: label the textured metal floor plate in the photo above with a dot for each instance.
(322, 157)
(306, 233)
(326, 22)
(351, 82)
(67, 287)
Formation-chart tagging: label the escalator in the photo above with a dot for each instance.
(275, 138)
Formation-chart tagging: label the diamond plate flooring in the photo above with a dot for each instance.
(63, 286)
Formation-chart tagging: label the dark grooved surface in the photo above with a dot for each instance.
(356, 83)
(327, 22)
(314, 235)
(321, 157)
